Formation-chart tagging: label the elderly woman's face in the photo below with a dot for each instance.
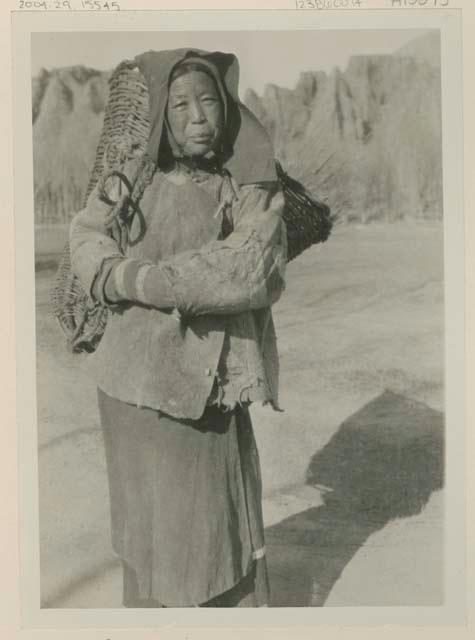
(195, 113)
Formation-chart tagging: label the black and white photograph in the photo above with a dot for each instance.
(240, 275)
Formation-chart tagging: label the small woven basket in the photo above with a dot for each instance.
(124, 137)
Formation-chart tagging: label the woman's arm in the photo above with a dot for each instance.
(92, 249)
(244, 271)
(95, 255)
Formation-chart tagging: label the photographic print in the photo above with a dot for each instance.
(240, 329)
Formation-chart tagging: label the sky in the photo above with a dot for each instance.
(276, 57)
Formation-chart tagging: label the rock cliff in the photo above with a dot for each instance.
(367, 139)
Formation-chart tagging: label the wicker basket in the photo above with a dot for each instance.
(124, 137)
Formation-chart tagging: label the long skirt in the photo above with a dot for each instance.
(186, 512)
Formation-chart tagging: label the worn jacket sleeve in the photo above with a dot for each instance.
(92, 247)
(246, 270)
(96, 256)
(104, 272)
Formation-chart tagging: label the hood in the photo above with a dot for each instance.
(247, 150)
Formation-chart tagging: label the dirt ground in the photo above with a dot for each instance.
(353, 467)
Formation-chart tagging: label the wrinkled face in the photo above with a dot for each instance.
(195, 113)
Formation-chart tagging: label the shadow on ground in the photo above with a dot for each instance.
(384, 462)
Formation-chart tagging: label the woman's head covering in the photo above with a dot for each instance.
(246, 151)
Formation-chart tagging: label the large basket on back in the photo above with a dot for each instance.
(124, 137)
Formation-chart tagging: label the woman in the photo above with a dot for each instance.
(190, 341)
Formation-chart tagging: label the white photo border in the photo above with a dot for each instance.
(450, 25)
